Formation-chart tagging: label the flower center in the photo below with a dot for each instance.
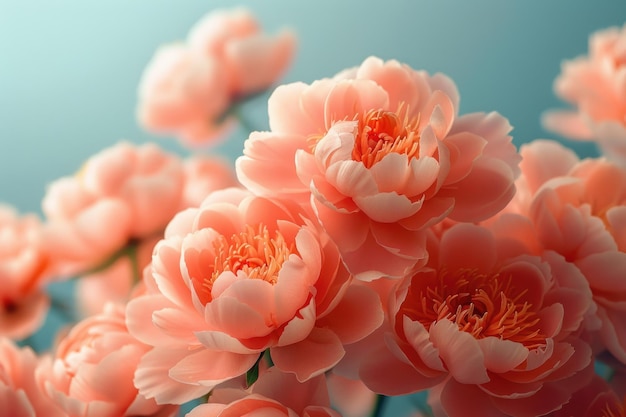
(253, 252)
(482, 305)
(382, 132)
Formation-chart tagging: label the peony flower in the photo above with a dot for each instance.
(123, 193)
(350, 396)
(189, 89)
(381, 153)
(20, 395)
(491, 333)
(236, 277)
(578, 209)
(252, 59)
(274, 394)
(115, 283)
(594, 400)
(24, 270)
(91, 372)
(204, 175)
(185, 93)
(596, 86)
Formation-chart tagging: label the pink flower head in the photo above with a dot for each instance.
(237, 276)
(583, 217)
(91, 373)
(115, 283)
(381, 154)
(498, 335)
(274, 394)
(20, 395)
(185, 93)
(124, 192)
(594, 400)
(24, 268)
(204, 175)
(596, 86)
(188, 88)
(253, 60)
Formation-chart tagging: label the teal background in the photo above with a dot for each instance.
(69, 69)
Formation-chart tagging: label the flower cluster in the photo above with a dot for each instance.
(374, 242)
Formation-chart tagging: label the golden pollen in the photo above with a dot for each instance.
(253, 251)
(382, 132)
(479, 304)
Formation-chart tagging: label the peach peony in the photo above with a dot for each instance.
(189, 89)
(184, 93)
(24, 269)
(578, 209)
(91, 373)
(204, 175)
(381, 153)
(233, 278)
(115, 283)
(126, 192)
(497, 335)
(274, 394)
(594, 400)
(20, 395)
(596, 86)
(253, 60)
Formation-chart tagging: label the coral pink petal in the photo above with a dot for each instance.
(298, 108)
(605, 271)
(566, 123)
(235, 317)
(153, 381)
(300, 325)
(211, 367)
(543, 160)
(387, 207)
(385, 374)
(349, 231)
(502, 355)
(328, 195)
(351, 97)
(464, 148)
(457, 254)
(357, 315)
(313, 356)
(139, 320)
(257, 168)
(180, 324)
(351, 178)
(456, 399)
(396, 239)
(612, 331)
(260, 60)
(439, 113)
(220, 341)
(460, 352)
(485, 191)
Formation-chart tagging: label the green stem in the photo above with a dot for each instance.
(378, 406)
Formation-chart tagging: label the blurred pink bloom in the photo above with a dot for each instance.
(91, 372)
(253, 60)
(124, 192)
(187, 89)
(594, 400)
(578, 209)
(381, 153)
(499, 335)
(350, 396)
(185, 93)
(20, 395)
(24, 269)
(234, 277)
(116, 283)
(596, 86)
(274, 394)
(204, 175)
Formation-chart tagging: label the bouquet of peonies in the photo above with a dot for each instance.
(372, 243)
